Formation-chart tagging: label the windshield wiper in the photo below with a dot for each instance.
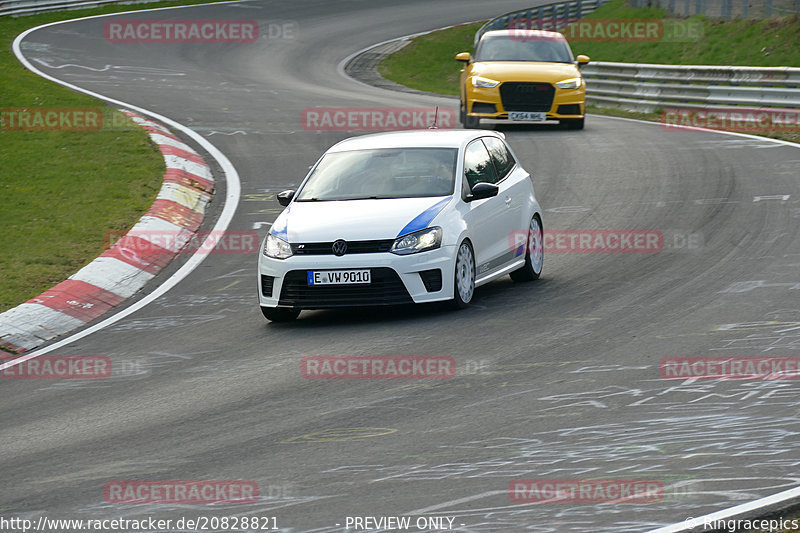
(374, 198)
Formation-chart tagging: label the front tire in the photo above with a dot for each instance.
(574, 124)
(464, 279)
(279, 314)
(534, 253)
(467, 121)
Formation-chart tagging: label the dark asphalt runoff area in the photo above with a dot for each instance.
(556, 380)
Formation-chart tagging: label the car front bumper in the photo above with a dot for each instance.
(487, 103)
(396, 279)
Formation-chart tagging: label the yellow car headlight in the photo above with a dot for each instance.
(572, 83)
(478, 81)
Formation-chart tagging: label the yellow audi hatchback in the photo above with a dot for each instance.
(522, 75)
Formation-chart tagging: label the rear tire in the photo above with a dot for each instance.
(279, 314)
(534, 253)
(464, 279)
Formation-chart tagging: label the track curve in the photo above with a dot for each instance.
(557, 380)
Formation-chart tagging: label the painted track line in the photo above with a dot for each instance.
(231, 201)
(746, 509)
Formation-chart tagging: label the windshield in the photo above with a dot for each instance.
(382, 173)
(505, 48)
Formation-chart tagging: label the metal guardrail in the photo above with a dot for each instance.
(18, 8)
(647, 87)
(725, 9)
(551, 17)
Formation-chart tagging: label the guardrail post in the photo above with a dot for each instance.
(579, 14)
(767, 8)
(726, 9)
(797, 7)
(555, 17)
(539, 18)
(744, 8)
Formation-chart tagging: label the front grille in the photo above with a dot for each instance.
(432, 279)
(353, 247)
(569, 109)
(523, 96)
(385, 288)
(266, 285)
(480, 107)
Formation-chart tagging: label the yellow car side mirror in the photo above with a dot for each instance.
(464, 57)
(582, 59)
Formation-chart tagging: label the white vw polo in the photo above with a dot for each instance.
(399, 218)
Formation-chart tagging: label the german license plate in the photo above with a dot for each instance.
(527, 115)
(339, 277)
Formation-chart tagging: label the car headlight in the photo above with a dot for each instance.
(418, 241)
(276, 247)
(478, 81)
(572, 83)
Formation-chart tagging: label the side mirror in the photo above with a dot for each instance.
(285, 197)
(582, 60)
(483, 190)
(464, 57)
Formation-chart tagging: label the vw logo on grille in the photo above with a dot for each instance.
(339, 247)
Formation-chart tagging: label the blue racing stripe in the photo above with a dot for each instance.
(422, 220)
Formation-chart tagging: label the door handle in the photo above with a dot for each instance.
(508, 200)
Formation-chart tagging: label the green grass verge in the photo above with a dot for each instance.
(62, 191)
(767, 43)
(427, 63)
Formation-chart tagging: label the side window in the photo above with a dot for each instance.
(478, 166)
(502, 158)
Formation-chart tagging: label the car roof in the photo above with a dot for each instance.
(412, 139)
(523, 34)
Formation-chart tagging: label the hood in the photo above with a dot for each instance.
(525, 71)
(356, 220)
